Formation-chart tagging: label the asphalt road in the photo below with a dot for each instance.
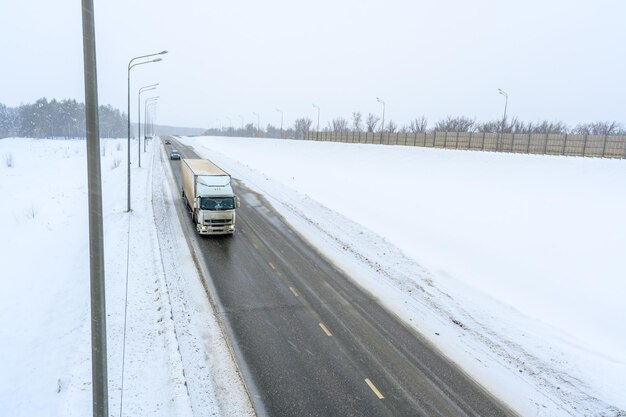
(312, 343)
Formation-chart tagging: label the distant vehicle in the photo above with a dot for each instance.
(209, 197)
(167, 142)
(174, 154)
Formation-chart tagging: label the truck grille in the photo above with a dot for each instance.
(217, 221)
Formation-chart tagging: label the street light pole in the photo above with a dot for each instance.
(258, 124)
(145, 108)
(130, 66)
(141, 90)
(241, 117)
(317, 135)
(281, 121)
(382, 127)
(506, 102)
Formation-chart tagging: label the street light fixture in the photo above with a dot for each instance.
(317, 134)
(506, 102)
(281, 121)
(141, 90)
(130, 66)
(258, 124)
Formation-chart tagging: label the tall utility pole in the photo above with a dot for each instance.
(317, 135)
(130, 66)
(506, 102)
(100, 394)
(141, 90)
(281, 121)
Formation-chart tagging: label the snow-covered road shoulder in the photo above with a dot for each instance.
(176, 360)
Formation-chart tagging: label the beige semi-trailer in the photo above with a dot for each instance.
(209, 197)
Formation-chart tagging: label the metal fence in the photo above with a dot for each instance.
(603, 146)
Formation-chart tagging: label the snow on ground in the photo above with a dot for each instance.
(177, 362)
(513, 265)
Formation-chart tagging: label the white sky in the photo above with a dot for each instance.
(558, 60)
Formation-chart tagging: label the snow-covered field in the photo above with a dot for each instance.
(177, 363)
(510, 264)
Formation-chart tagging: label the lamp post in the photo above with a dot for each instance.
(506, 102)
(317, 134)
(258, 124)
(230, 125)
(281, 121)
(153, 110)
(141, 90)
(382, 127)
(149, 100)
(130, 66)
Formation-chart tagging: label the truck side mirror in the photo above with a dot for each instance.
(237, 202)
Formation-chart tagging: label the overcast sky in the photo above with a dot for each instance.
(558, 60)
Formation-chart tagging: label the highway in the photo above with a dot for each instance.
(309, 342)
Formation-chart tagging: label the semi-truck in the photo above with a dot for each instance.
(209, 197)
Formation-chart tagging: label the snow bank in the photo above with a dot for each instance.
(44, 292)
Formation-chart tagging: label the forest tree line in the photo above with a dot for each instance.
(58, 119)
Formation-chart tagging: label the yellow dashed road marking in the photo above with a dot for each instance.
(328, 333)
(272, 265)
(294, 292)
(373, 388)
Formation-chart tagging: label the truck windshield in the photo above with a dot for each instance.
(217, 203)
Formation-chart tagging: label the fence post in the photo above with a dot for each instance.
(406, 137)
(585, 145)
(528, 146)
(604, 146)
(445, 140)
(513, 142)
(564, 145)
(456, 145)
(545, 145)
(469, 145)
(482, 144)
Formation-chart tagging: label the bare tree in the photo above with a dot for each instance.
(455, 124)
(392, 126)
(357, 119)
(418, 125)
(340, 125)
(599, 128)
(371, 122)
(549, 127)
(302, 126)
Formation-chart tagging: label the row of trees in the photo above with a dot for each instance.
(372, 123)
(58, 119)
